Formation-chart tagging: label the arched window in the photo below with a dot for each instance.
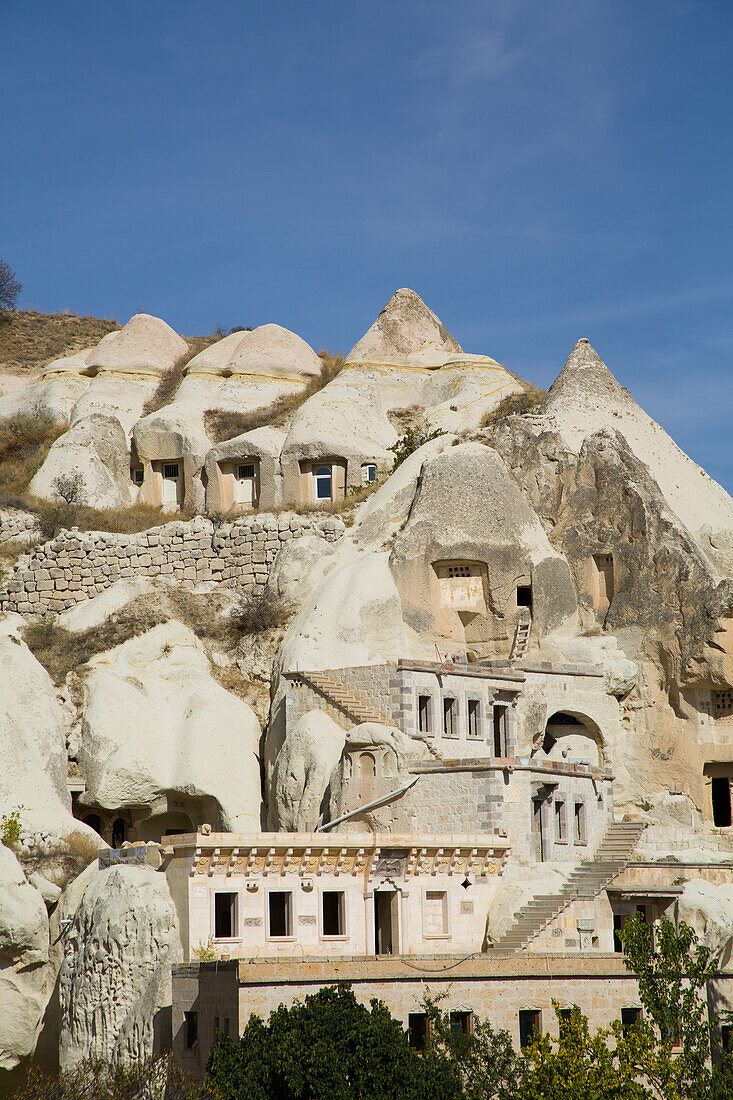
(323, 482)
(367, 766)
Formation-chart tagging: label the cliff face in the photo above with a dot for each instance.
(173, 648)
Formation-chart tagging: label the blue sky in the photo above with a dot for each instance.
(538, 170)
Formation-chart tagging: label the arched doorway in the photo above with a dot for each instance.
(94, 821)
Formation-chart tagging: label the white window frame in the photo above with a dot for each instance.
(447, 909)
(341, 936)
(368, 473)
(319, 476)
(235, 917)
(280, 939)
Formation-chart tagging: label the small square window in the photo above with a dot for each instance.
(450, 716)
(630, 1017)
(138, 475)
(474, 718)
(529, 1026)
(417, 1029)
(246, 471)
(460, 1023)
(332, 912)
(224, 915)
(524, 595)
(280, 904)
(424, 714)
(170, 469)
(369, 473)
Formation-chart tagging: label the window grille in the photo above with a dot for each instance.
(170, 469)
(722, 704)
(247, 471)
(459, 571)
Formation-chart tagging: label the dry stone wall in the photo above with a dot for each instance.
(78, 565)
(15, 524)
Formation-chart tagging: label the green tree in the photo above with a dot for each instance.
(581, 1066)
(330, 1047)
(488, 1065)
(673, 970)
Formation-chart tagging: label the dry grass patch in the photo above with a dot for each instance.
(515, 404)
(221, 424)
(170, 380)
(24, 443)
(60, 650)
(30, 340)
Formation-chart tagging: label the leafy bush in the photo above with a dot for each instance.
(409, 442)
(10, 830)
(330, 1047)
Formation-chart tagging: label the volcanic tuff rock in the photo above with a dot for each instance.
(406, 331)
(115, 981)
(92, 453)
(146, 703)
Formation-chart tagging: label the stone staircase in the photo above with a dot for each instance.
(521, 639)
(353, 705)
(585, 882)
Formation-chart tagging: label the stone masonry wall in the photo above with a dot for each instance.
(78, 565)
(15, 524)
(377, 685)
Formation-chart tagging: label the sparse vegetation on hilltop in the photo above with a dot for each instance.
(30, 340)
(10, 287)
(221, 424)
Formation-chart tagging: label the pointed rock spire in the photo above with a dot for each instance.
(405, 332)
(585, 377)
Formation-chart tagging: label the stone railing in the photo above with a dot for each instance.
(77, 565)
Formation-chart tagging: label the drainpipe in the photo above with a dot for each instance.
(367, 806)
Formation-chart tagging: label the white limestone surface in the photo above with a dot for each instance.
(155, 722)
(586, 398)
(115, 979)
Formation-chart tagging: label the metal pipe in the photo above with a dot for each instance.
(367, 806)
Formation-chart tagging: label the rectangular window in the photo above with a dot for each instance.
(721, 801)
(630, 1017)
(566, 1016)
(524, 595)
(460, 1023)
(138, 475)
(560, 829)
(436, 913)
(246, 471)
(450, 717)
(726, 1038)
(580, 822)
(424, 714)
(280, 922)
(500, 727)
(618, 927)
(332, 912)
(216, 1024)
(170, 469)
(224, 916)
(474, 718)
(417, 1029)
(529, 1026)
(226, 1025)
(191, 1024)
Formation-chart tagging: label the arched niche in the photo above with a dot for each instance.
(572, 736)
